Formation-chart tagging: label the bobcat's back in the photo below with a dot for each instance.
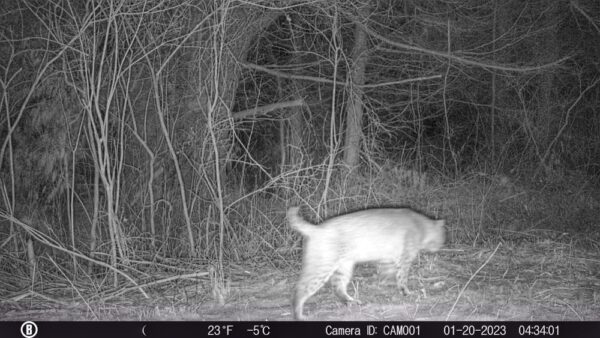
(392, 237)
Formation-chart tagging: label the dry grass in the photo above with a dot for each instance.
(503, 261)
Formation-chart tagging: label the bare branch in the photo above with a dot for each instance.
(337, 83)
(263, 110)
(460, 59)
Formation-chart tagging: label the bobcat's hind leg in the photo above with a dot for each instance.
(340, 279)
(312, 279)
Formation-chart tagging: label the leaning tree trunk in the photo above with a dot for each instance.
(296, 126)
(546, 114)
(354, 114)
(214, 72)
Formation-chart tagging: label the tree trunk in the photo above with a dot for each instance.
(354, 114)
(296, 124)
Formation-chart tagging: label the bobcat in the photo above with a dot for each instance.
(391, 237)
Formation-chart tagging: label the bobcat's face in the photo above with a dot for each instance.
(434, 236)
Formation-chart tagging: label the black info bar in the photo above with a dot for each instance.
(175, 329)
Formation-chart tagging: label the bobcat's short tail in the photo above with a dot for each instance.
(298, 223)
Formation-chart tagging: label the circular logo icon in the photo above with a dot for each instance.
(29, 329)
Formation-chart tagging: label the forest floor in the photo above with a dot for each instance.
(526, 279)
